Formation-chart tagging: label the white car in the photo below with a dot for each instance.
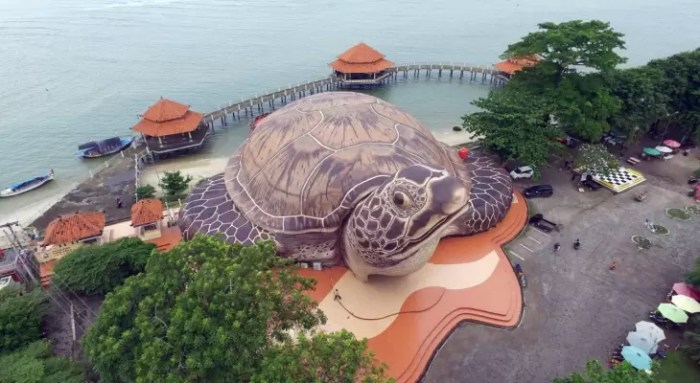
(522, 172)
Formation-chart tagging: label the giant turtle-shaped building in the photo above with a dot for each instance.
(348, 178)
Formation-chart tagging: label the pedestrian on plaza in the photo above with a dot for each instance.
(612, 266)
(120, 204)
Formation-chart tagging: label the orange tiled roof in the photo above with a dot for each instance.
(166, 118)
(374, 67)
(515, 64)
(146, 211)
(165, 110)
(361, 59)
(361, 54)
(74, 227)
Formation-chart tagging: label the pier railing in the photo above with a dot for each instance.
(269, 101)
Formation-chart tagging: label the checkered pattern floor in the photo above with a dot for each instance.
(620, 179)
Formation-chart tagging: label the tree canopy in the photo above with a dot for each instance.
(98, 269)
(693, 277)
(642, 99)
(622, 373)
(34, 364)
(20, 318)
(213, 312)
(515, 123)
(571, 44)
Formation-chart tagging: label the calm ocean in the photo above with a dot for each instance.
(74, 70)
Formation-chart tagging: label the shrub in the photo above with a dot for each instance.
(145, 191)
(98, 269)
(20, 318)
(34, 363)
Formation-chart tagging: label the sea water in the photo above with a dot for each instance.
(76, 70)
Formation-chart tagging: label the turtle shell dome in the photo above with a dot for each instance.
(305, 166)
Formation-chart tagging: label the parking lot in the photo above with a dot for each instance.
(576, 309)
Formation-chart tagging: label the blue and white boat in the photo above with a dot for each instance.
(25, 186)
(94, 149)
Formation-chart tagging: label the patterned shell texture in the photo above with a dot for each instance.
(306, 165)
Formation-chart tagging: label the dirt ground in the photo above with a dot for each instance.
(576, 309)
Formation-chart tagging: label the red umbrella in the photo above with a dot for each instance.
(687, 290)
(672, 144)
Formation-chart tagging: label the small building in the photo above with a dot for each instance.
(13, 265)
(361, 66)
(65, 234)
(147, 217)
(507, 68)
(169, 126)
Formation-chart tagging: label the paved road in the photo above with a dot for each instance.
(575, 308)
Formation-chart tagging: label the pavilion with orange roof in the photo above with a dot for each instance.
(169, 126)
(507, 68)
(361, 65)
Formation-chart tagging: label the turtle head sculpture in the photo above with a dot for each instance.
(344, 177)
(395, 229)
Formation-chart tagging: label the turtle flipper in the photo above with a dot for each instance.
(210, 210)
(491, 194)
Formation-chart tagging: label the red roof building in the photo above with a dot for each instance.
(78, 227)
(509, 67)
(146, 217)
(169, 126)
(361, 65)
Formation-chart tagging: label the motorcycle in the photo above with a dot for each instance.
(521, 275)
(577, 245)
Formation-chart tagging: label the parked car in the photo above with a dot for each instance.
(539, 191)
(522, 172)
(539, 222)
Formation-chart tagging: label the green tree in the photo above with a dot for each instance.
(335, 357)
(595, 158)
(20, 318)
(174, 184)
(693, 277)
(98, 269)
(145, 192)
(208, 311)
(566, 46)
(680, 82)
(595, 373)
(643, 101)
(35, 364)
(515, 123)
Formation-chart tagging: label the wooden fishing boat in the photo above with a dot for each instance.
(94, 149)
(25, 186)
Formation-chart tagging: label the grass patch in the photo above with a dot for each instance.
(678, 368)
(675, 213)
(692, 209)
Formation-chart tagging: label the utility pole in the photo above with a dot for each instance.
(72, 327)
(19, 248)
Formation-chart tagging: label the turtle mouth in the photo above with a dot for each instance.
(415, 245)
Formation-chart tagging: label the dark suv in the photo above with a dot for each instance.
(539, 191)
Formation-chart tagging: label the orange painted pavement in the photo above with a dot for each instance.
(410, 341)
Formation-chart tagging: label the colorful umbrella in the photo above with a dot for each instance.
(642, 341)
(672, 144)
(651, 152)
(636, 357)
(687, 290)
(672, 313)
(653, 331)
(686, 303)
(664, 149)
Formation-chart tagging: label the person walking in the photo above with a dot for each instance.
(557, 246)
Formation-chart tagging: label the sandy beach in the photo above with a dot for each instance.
(198, 169)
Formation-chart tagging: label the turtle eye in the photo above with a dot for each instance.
(400, 199)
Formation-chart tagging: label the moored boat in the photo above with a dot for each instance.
(27, 185)
(94, 149)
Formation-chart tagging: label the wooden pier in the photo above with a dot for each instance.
(268, 102)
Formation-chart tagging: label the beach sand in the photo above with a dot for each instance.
(198, 169)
